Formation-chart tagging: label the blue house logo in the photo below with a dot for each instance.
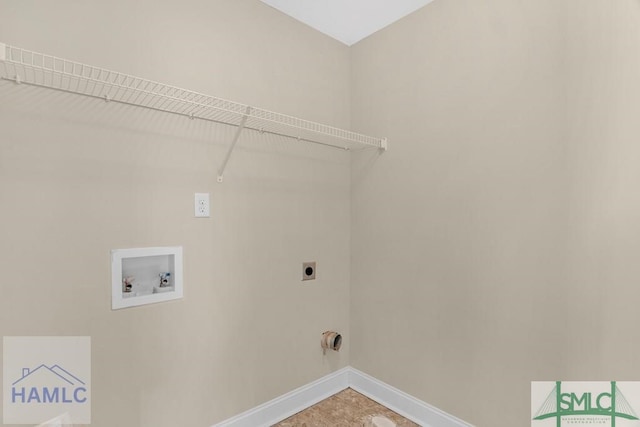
(44, 377)
(47, 385)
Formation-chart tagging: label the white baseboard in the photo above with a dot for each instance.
(282, 407)
(398, 401)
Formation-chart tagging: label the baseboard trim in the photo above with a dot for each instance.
(404, 404)
(282, 407)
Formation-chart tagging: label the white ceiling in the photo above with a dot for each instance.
(347, 20)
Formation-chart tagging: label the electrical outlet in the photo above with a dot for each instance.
(202, 209)
(309, 270)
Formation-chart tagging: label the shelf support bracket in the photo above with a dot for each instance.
(233, 144)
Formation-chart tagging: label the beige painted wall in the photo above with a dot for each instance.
(79, 177)
(604, 205)
(496, 242)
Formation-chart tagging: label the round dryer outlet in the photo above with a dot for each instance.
(309, 270)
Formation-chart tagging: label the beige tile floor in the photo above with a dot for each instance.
(345, 409)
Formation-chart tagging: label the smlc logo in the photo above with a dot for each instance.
(61, 386)
(585, 404)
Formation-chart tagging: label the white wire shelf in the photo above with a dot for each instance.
(37, 69)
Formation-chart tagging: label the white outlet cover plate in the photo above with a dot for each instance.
(202, 207)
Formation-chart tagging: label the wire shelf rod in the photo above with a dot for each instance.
(37, 69)
(250, 128)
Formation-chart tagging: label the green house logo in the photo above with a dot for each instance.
(586, 407)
